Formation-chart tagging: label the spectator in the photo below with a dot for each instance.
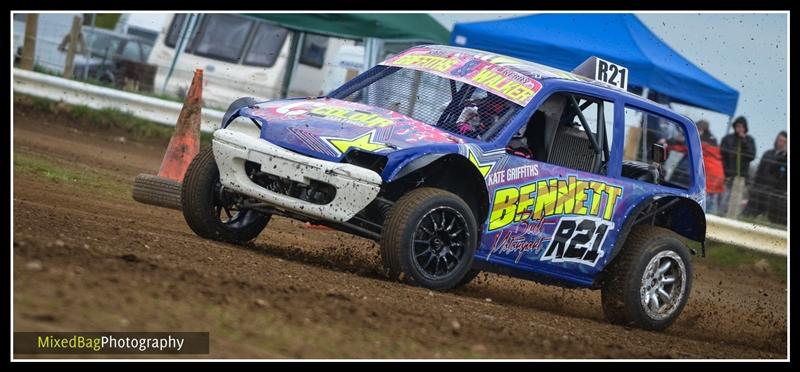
(768, 194)
(705, 134)
(738, 150)
(715, 175)
(712, 160)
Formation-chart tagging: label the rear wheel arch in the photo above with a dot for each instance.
(678, 214)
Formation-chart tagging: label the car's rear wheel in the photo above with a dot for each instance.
(649, 283)
(212, 211)
(429, 239)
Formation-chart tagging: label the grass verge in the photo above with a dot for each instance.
(101, 119)
(730, 257)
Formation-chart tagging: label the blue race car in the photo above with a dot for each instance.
(458, 160)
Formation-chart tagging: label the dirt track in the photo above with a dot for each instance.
(89, 258)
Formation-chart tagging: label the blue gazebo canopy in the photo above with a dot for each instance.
(564, 41)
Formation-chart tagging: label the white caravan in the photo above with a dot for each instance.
(242, 56)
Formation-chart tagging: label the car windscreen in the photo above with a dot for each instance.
(103, 45)
(451, 105)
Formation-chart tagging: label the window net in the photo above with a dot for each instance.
(448, 104)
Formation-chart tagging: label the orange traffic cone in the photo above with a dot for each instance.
(185, 143)
(164, 189)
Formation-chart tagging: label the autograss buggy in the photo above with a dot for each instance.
(456, 161)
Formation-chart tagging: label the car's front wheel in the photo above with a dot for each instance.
(649, 283)
(210, 210)
(429, 239)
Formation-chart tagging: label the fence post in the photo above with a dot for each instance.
(737, 194)
(73, 44)
(29, 46)
(88, 51)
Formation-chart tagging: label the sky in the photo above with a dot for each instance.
(744, 50)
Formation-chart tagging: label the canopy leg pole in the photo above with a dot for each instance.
(730, 122)
(291, 64)
(183, 36)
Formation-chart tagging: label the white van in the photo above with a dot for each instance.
(241, 56)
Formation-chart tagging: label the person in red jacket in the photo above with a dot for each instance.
(715, 170)
(712, 160)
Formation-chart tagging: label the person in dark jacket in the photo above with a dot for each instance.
(738, 150)
(768, 194)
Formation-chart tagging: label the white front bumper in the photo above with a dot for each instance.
(355, 187)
